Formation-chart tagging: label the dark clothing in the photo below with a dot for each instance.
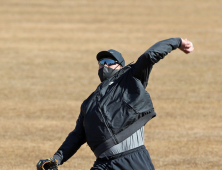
(135, 159)
(118, 107)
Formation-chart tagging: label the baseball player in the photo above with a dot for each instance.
(113, 117)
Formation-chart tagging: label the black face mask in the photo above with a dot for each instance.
(106, 72)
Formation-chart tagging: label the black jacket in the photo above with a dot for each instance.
(118, 107)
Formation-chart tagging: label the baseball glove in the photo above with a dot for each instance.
(47, 164)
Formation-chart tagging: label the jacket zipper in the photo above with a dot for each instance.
(106, 123)
(112, 135)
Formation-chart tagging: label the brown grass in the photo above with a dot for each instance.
(48, 67)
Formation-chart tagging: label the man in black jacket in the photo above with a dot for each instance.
(112, 118)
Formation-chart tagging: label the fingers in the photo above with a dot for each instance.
(189, 44)
(188, 50)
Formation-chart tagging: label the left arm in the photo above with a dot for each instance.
(145, 62)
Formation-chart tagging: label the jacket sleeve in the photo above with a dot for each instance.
(145, 62)
(73, 142)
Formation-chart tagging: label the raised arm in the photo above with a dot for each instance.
(72, 143)
(145, 62)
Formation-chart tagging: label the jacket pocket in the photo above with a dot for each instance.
(130, 107)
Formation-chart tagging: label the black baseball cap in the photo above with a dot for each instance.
(113, 54)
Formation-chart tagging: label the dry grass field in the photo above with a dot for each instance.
(48, 67)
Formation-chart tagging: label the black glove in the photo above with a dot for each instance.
(47, 164)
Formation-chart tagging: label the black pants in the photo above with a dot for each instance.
(135, 159)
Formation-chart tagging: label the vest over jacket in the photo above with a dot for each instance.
(118, 107)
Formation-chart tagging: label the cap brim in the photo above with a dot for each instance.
(104, 54)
